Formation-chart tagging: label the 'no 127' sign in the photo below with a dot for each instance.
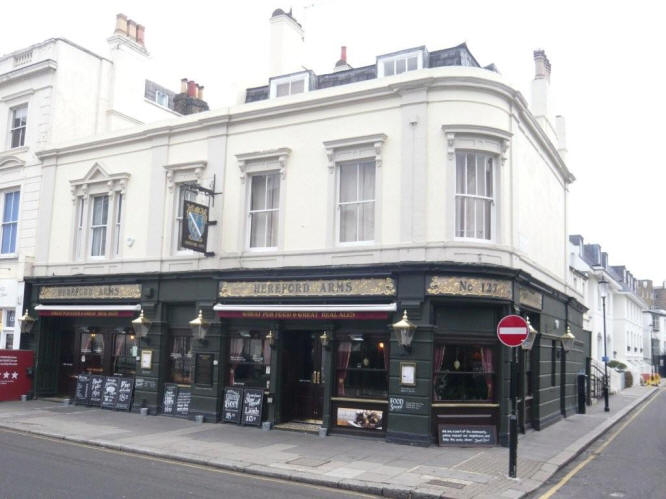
(512, 330)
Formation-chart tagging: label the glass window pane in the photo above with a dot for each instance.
(258, 194)
(400, 66)
(480, 214)
(487, 228)
(470, 211)
(367, 181)
(489, 177)
(388, 68)
(460, 217)
(100, 210)
(348, 223)
(273, 191)
(460, 173)
(297, 87)
(481, 175)
(471, 174)
(272, 229)
(367, 222)
(411, 63)
(348, 183)
(98, 241)
(8, 238)
(282, 89)
(258, 223)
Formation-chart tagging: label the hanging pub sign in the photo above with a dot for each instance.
(194, 232)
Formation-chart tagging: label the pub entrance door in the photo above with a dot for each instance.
(302, 391)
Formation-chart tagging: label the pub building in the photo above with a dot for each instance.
(331, 348)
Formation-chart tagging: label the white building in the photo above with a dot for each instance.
(53, 92)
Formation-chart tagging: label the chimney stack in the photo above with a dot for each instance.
(342, 65)
(121, 24)
(190, 99)
(130, 29)
(541, 95)
(541, 65)
(286, 50)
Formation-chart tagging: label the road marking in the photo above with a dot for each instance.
(186, 465)
(596, 453)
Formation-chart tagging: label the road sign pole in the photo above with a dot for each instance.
(513, 421)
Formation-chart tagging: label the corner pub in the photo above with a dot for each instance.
(317, 345)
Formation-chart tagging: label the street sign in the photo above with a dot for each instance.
(512, 330)
(604, 359)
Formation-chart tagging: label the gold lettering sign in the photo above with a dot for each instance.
(469, 286)
(530, 298)
(322, 287)
(112, 291)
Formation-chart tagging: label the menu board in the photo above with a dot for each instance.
(110, 392)
(96, 387)
(466, 435)
(82, 389)
(253, 401)
(183, 400)
(233, 407)
(169, 398)
(124, 402)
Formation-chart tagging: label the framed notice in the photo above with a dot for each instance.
(408, 373)
(194, 232)
(146, 359)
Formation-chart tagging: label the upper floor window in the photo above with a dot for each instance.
(264, 210)
(9, 210)
(356, 201)
(18, 126)
(98, 225)
(290, 84)
(474, 195)
(395, 64)
(161, 98)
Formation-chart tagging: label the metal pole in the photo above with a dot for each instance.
(606, 408)
(513, 423)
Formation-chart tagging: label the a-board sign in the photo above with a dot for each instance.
(125, 389)
(110, 392)
(169, 398)
(233, 405)
(82, 389)
(96, 387)
(253, 401)
(183, 400)
(466, 435)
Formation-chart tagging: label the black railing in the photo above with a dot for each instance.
(596, 381)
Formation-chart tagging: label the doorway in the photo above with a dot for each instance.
(302, 391)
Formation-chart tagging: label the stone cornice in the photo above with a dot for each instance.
(32, 69)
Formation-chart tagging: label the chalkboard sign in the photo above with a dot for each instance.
(253, 401)
(233, 400)
(96, 387)
(169, 398)
(82, 389)
(466, 435)
(147, 384)
(183, 400)
(124, 402)
(110, 392)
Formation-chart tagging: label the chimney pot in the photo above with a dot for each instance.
(131, 29)
(191, 89)
(200, 92)
(343, 53)
(121, 24)
(140, 30)
(183, 85)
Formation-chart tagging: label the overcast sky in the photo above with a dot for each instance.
(607, 77)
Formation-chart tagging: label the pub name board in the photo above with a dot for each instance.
(320, 287)
(469, 286)
(106, 292)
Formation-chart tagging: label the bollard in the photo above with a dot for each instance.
(24, 398)
(199, 418)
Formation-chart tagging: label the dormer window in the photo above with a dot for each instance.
(293, 84)
(162, 98)
(400, 62)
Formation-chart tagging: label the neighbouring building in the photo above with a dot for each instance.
(421, 183)
(50, 93)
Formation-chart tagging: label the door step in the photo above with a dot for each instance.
(300, 426)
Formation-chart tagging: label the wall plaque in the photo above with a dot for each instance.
(107, 292)
(469, 286)
(530, 298)
(320, 287)
(466, 435)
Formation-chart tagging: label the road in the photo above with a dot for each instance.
(627, 462)
(34, 467)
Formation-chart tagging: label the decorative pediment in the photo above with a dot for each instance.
(98, 180)
(8, 162)
(482, 135)
(258, 160)
(184, 172)
(354, 148)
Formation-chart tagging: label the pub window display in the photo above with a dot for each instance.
(249, 359)
(362, 366)
(463, 373)
(180, 360)
(125, 352)
(92, 352)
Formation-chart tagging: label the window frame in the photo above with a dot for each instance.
(339, 204)
(371, 336)
(7, 330)
(92, 227)
(250, 211)
(13, 129)
(15, 223)
(492, 200)
(161, 95)
(403, 55)
(289, 79)
(456, 342)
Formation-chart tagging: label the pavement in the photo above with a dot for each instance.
(360, 464)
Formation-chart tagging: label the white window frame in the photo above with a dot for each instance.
(12, 128)
(103, 227)
(346, 150)
(3, 201)
(250, 212)
(272, 161)
(289, 79)
(486, 199)
(4, 314)
(396, 57)
(340, 204)
(97, 183)
(161, 96)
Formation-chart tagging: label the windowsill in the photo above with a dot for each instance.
(9, 256)
(347, 244)
(262, 250)
(474, 240)
(15, 150)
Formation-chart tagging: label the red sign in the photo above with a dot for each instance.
(87, 313)
(14, 379)
(512, 330)
(266, 314)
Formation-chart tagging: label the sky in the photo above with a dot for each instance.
(607, 76)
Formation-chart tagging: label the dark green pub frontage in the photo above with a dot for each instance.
(319, 343)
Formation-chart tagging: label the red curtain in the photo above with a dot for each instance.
(437, 364)
(344, 353)
(235, 350)
(487, 364)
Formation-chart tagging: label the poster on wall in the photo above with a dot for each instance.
(366, 419)
(194, 232)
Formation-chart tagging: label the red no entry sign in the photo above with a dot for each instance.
(512, 330)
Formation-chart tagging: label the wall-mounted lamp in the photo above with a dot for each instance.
(141, 325)
(26, 322)
(404, 331)
(325, 339)
(270, 338)
(199, 326)
(531, 336)
(567, 340)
